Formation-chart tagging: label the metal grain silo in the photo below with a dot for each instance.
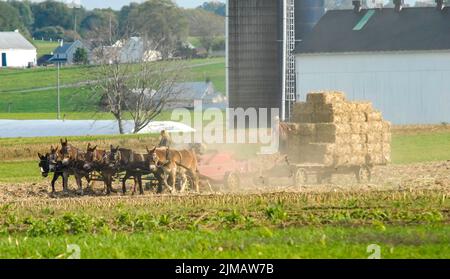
(307, 14)
(254, 53)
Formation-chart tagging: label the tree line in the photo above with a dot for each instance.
(160, 20)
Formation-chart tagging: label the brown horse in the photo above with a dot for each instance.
(72, 160)
(173, 162)
(135, 165)
(103, 162)
(187, 163)
(162, 164)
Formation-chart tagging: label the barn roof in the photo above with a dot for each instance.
(379, 30)
(66, 46)
(14, 40)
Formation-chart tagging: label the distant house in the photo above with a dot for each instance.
(16, 51)
(65, 53)
(132, 50)
(185, 93)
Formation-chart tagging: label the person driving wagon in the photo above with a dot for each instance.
(164, 140)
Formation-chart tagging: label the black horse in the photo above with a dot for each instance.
(49, 164)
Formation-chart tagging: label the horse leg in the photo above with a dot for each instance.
(173, 178)
(111, 180)
(135, 182)
(124, 180)
(106, 180)
(196, 182)
(65, 181)
(141, 190)
(184, 181)
(78, 177)
(55, 178)
(160, 182)
(165, 178)
(88, 179)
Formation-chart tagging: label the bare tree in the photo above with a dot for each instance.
(139, 88)
(153, 87)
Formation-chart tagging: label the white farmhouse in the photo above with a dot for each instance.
(398, 58)
(16, 51)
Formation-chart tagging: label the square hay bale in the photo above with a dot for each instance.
(357, 138)
(358, 128)
(387, 138)
(375, 126)
(364, 128)
(365, 107)
(374, 138)
(312, 153)
(302, 107)
(306, 129)
(357, 116)
(374, 116)
(302, 117)
(343, 139)
(335, 108)
(358, 148)
(326, 129)
(299, 140)
(377, 159)
(325, 97)
(302, 113)
(327, 117)
(357, 160)
(374, 148)
(343, 149)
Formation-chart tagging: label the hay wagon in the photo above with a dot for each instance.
(300, 174)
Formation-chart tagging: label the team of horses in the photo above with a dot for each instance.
(174, 170)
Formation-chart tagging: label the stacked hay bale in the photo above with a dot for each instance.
(329, 130)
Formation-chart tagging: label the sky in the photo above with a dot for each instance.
(117, 4)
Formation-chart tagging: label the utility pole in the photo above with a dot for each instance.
(59, 95)
(110, 29)
(75, 22)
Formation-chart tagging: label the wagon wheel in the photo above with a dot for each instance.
(232, 181)
(364, 174)
(300, 178)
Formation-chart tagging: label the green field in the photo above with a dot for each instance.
(283, 225)
(72, 100)
(421, 147)
(293, 243)
(23, 79)
(15, 104)
(44, 47)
